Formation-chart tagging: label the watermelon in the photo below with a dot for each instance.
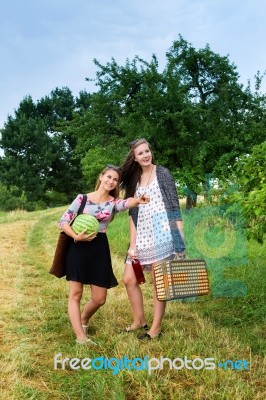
(85, 222)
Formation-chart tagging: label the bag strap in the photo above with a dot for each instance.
(81, 208)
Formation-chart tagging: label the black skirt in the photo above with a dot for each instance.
(90, 262)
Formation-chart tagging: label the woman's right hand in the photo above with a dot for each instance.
(132, 252)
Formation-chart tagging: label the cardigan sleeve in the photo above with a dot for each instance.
(169, 191)
(171, 201)
(133, 212)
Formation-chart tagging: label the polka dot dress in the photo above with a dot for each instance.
(154, 240)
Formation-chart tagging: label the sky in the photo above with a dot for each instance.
(46, 44)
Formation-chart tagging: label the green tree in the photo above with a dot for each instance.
(214, 117)
(38, 156)
(130, 103)
(27, 155)
(249, 190)
(195, 114)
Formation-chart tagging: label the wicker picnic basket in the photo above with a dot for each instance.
(177, 279)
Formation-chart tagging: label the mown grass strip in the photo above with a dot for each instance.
(35, 328)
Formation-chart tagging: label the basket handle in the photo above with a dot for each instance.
(180, 256)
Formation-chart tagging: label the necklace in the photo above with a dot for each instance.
(145, 187)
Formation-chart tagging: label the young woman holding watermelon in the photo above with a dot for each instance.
(88, 258)
(156, 231)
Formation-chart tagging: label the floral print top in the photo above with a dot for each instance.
(102, 211)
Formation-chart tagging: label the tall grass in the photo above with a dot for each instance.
(34, 327)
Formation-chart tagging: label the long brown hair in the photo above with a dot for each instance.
(131, 170)
(115, 192)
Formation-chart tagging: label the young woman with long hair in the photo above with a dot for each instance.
(156, 230)
(88, 258)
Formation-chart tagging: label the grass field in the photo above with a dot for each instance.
(34, 327)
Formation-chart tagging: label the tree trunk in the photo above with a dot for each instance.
(191, 200)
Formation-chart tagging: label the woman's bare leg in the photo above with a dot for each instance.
(75, 295)
(98, 298)
(135, 296)
(158, 312)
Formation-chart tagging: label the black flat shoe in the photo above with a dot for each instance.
(129, 329)
(147, 336)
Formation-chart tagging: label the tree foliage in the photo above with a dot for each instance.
(38, 157)
(198, 118)
(249, 182)
(195, 114)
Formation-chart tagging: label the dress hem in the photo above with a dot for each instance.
(92, 283)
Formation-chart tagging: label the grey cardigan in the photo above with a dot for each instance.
(170, 198)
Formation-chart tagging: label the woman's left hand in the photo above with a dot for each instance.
(91, 236)
(83, 237)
